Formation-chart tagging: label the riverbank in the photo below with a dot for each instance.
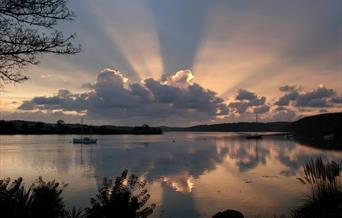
(20, 127)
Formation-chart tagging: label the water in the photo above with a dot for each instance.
(189, 174)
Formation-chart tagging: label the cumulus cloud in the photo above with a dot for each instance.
(64, 100)
(317, 98)
(113, 97)
(261, 109)
(283, 114)
(336, 99)
(245, 95)
(246, 101)
(287, 88)
(176, 100)
(285, 99)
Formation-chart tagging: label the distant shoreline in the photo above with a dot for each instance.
(323, 126)
(20, 127)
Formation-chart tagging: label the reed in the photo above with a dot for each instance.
(325, 198)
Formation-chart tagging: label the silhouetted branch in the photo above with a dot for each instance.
(27, 29)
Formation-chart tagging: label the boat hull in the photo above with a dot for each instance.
(84, 141)
(254, 137)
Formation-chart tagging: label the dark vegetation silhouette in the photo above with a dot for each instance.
(323, 130)
(74, 213)
(125, 198)
(28, 127)
(325, 199)
(41, 200)
(316, 126)
(28, 29)
(229, 214)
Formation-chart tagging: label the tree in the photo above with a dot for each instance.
(60, 123)
(28, 29)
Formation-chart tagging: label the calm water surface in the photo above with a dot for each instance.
(189, 174)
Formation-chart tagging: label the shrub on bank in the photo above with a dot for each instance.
(325, 199)
(127, 198)
(41, 200)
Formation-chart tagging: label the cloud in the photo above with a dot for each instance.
(287, 88)
(317, 98)
(285, 100)
(239, 107)
(114, 98)
(261, 109)
(337, 99)
(245, 95)
(283, 114)
(246, 101)
(69, 101)
(177, 99)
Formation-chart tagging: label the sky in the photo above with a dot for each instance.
(188, 62)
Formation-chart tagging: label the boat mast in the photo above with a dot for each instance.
(256, 122)
(81, 128)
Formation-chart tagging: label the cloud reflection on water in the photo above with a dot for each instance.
(199, 169)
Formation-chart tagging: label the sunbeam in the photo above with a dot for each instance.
(135, 36)
(239, 51)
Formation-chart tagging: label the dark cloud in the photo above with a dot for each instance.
(283, 114)
(285, 100)
(176, 100)
(287, 88)
(317, 98)
(245, 95)
(261, 109)
(113, 97)
(240, 107)
(337, 99)
(64, 100)
(247, 101)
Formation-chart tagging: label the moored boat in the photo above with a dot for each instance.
(84, 140)
(255, 135)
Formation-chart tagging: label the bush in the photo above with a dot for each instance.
(125, 198)
(41, 200)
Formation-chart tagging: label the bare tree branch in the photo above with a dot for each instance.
(28, 29)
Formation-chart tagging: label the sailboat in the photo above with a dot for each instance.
(255, 135)
(84, 140)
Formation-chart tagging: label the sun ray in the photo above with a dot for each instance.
(135, 36)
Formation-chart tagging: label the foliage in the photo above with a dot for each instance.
(60, 123)
(229, 214)
(74, 213)
(125, 198)
(325, 199)
(41, 200)
(28, 29)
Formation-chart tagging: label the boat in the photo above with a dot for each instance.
(84, 140)
(255, 135)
